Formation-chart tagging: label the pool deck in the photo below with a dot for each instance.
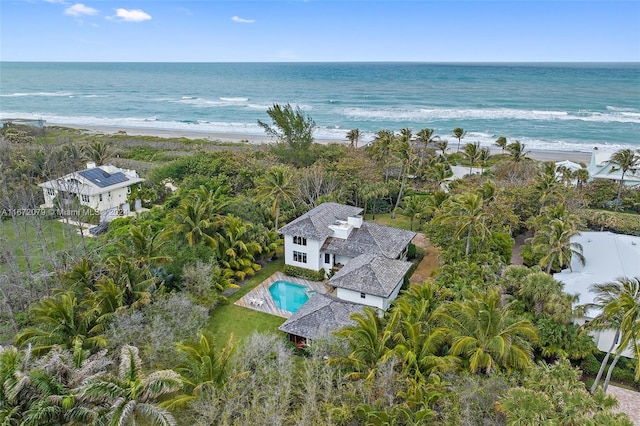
(259, 299)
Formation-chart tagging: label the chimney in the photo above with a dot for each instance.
(355, 221)
(91, 165)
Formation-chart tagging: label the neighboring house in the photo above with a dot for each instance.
(333, 237)
(320, 316)
(104, 189)
(608, 257)
(600, 168)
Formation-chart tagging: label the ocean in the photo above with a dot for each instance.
(557, 106)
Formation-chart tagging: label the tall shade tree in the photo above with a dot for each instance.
(291, 128)
(624, 160)
(553, 243)
(619, 305)
(459, 133)
(381, 149)
(276, 185)
(485, 335)
(353, 136)
(466, 213)
(132, 397)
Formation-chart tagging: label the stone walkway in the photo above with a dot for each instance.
(629, 402)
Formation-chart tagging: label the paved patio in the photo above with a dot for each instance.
(259, 299)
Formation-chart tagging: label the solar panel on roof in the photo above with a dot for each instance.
(101, 178)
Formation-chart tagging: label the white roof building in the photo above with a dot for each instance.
(600, 168)
(608, 257)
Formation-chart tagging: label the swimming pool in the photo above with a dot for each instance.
(289, 296)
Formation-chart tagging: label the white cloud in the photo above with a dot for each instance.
(242, 20)
(132, 15)
(80, 9)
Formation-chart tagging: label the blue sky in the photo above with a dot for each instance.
(320, 30)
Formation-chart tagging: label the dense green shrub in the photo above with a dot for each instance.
(619, 222)
(411, 251)
(310, 274)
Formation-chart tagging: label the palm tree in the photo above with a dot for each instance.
(427, 137)
(203, 366)
(581, 176)
(368, 341)
(459, 133)
(442, 145)
(380, 150)
(553, 242)
(60, 320)
(626, 161)
(236, 250)
(143, 247)
(472, 153)
(98, 152)
(403, 150)
(131, 397)
(518, 155)
(353, 136)
(417, 339)
(502, 142)
(277, 184)
(619, 303)
(413, 207)
(193, 220)
(466, 212)
(485, 154)
(485, 335)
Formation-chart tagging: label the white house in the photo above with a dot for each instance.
(608, 257)
(104, 188)
(371, 280)
(334, 237)
(600, 168)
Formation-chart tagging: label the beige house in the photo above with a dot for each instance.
(104, 188)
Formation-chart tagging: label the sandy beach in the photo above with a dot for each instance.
(540, 155)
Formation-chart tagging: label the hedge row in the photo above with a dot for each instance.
(310, 274)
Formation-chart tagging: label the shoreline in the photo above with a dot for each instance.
(535, 154)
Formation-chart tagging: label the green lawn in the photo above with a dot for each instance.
(242, 322)
(400, 221)
(39, 238)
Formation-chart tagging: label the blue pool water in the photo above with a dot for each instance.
(288, 296)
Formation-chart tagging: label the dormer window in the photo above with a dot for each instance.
(301, 241)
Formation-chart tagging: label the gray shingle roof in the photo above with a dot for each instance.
(102, 178)
(315, 223)
(320, 316)
(371, 238)
(371, 274)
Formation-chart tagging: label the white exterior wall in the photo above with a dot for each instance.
(110, 199)
(369, 300)
(604, 339)
(312, 249)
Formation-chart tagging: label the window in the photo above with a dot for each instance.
(301, 241)
(363, 296)
(300, 257)
(128, 190)
(100, 197)
(327, 258)
(51, 192)
(85, 198)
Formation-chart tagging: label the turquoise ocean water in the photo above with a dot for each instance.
(545, 106)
